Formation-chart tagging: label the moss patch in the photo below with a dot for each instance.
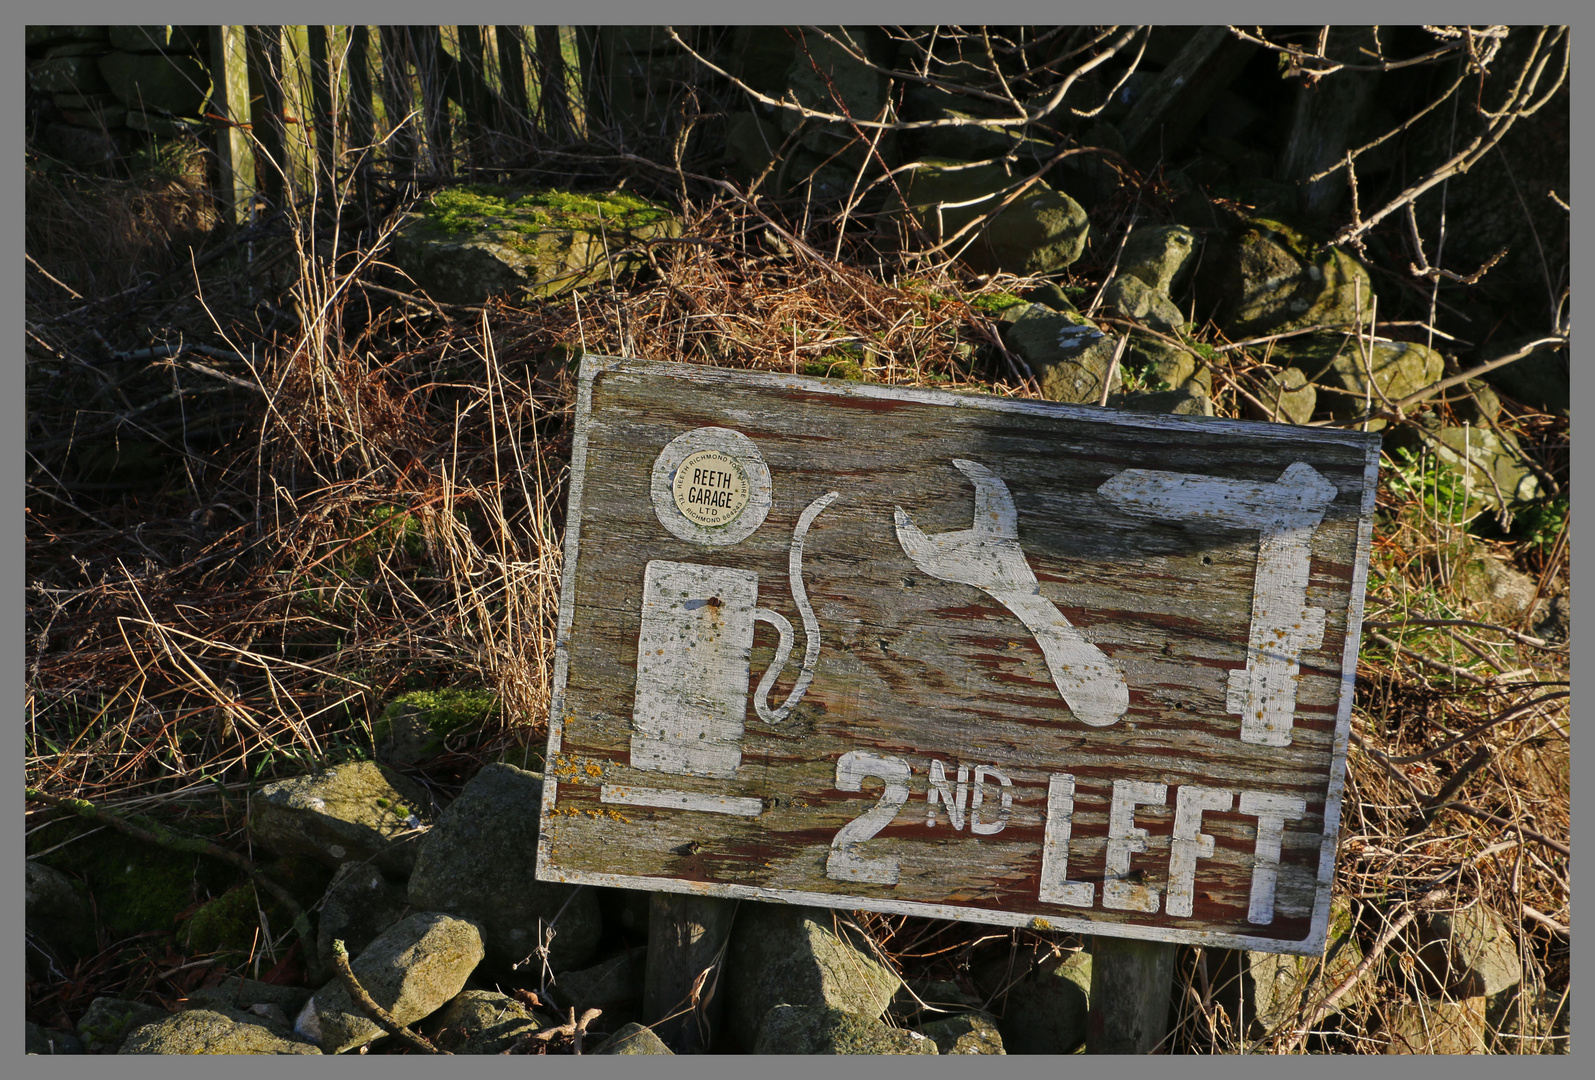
(136, 886)
(444, 710)
(475, 208)
(994, 303)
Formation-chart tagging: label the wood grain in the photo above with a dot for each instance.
(921, 669)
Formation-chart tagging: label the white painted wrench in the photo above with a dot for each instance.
(989, 558)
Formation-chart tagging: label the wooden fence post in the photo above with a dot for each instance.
(235, 157)
(686, 937)
(1130, 986)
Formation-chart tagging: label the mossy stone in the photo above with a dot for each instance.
(171, 84)
(1337, 364)
(227, 924)
(819, 1029)
(110, 1020)
(411, 970)
(212, 1031)
(415, 725)
(968, 1033)
(1135, 299)
(1039, 232)
(482, 1022)
(633, 1039)
(1272, 277)
(1289, 396)
(478, 862)
(1045, 1011)
(799, 956)
(136, 886)
(473, 242)
(1158, 255)
(361, 810)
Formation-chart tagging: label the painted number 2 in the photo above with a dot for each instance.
(844, 862)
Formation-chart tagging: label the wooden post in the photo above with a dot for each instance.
(323, 114)
(398, 99)
(686, 937)
(362, 121)
(1130, 986)
(235, 157)
(512, 78)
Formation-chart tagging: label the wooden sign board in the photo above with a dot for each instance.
(953, 655)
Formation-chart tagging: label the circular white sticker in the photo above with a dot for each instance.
(711, 488)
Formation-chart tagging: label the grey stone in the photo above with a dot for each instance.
(49, 1043)
(411, 971)
(159, 39)
(55, 911)
(67, 75)
(478, 862)
(85, 147)
(799, 956)
(1437, 1027)
(1041, 231)
(1270, 989)
(42, 34)
(1189, 400)
(359, 811)
(1270, 277)
(633, 1039)
(1070, 357)
(1265, 195)
(1044, 1009)
(819, 1029)
(751, 143)
(482, 1022)
(1050, 294)
(1503, 593)
(823, 76)
(236, 993)
(970, 1033)
(106, 116)
(1336, 362)
(109, 1021)
(1555, 620)
(1158, 255)
(172, 84)
(1470, 953)
(89, 102)
(1474, 402)
(1137, 300)
(1496, 468)
(214, 1031)
(1289, 396)
(604, 985)
(358, 906)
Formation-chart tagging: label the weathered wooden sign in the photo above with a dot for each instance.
(954, 655)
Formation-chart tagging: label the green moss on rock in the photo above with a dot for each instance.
(136, 886)
(473, 242)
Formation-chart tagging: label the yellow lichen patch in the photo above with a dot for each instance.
(1038, 923)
